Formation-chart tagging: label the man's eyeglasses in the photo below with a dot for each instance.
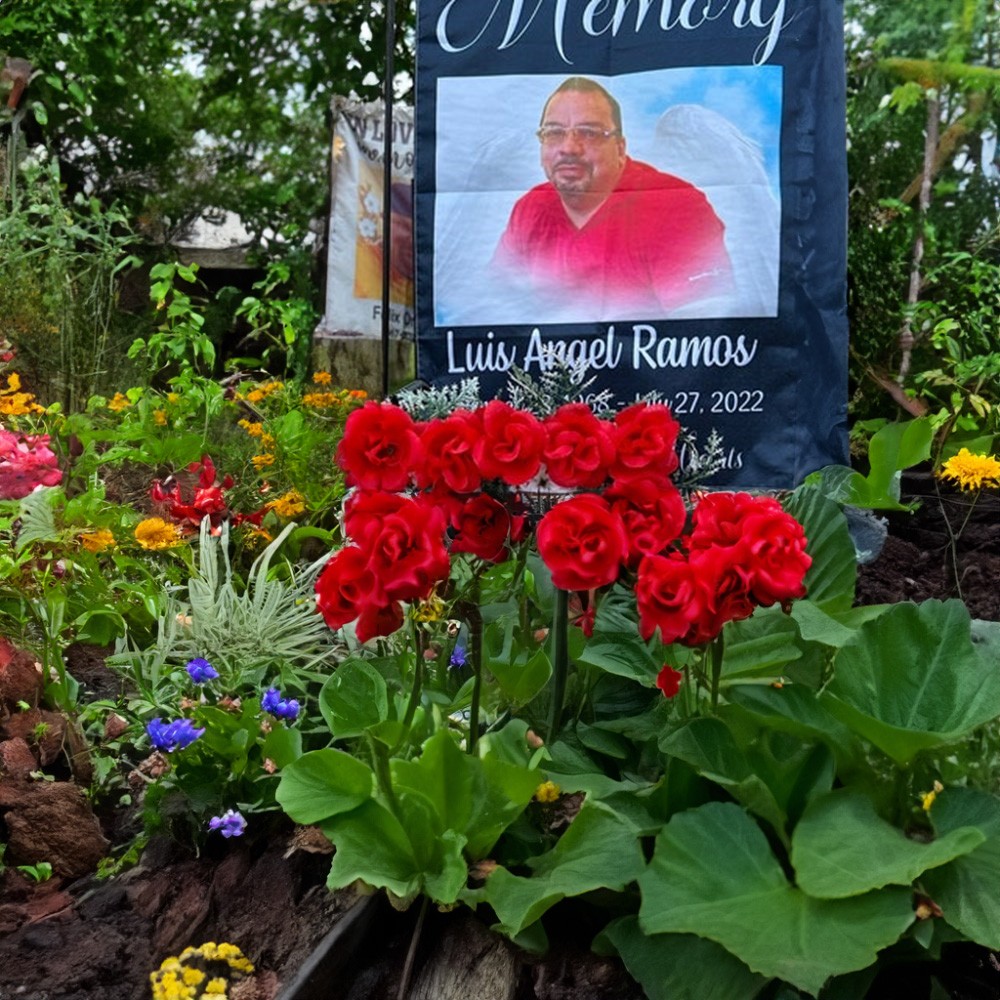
(588, 135)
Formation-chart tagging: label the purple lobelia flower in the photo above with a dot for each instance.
(229, 824)
(171, 736)
(201, 671)
(457, 658)
(281, 708)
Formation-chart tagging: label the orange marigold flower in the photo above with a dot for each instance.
(160, 417)
(97, 540)
(155, 533)
(288, 505)
(119, 402)
(262, 461)
(322, 378)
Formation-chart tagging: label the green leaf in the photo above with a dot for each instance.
(761, 646)
(599, 850)
(842, 847)
(354, 699)
(912, 680)
(372, 845)
(521, 678)
(713, 874)
(282, 746)
(323, 783)
(966, 889)
(831, 578)
(621, 653)
(476, 798)
(681, 966)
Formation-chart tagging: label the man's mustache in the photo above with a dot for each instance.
(569, 161)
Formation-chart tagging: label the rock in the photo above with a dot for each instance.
(17, 759)
(20, 678)
(50, 821)
(46, 731)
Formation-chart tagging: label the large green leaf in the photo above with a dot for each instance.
(911, 680)
(622, 653)
(831, 578)
(708, 745)
(477, 798)
(713, 874)
(760, 646)
(681, 966)
(354, 699)
(599, 850)
(832, 628)
(842, 847)
(323, 783)
(966, 889)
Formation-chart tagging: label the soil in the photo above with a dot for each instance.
(77, 938)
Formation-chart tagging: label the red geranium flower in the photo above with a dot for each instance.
(669, 681)
(380, 448)
(645, 435)
(407, 554)
(448, 453)
(583, 542)
(578, 448)
(670, 597)
(484, 528)
(511, 444)
(207, 498)
(346, 586)
(653, 513)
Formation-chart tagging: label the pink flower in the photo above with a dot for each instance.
(26, 463)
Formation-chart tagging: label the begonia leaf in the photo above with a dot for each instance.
(842, 847)
(713, 874)
(912, 680)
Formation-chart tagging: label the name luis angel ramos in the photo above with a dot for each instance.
(640, 346)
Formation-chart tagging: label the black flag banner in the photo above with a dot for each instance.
(656, 188)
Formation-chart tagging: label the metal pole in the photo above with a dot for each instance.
(390, 52)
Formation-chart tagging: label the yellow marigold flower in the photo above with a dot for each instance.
(19, 404)
(155, 533)
(322, 378)
(255, 395)
(254, 428)
(267, 440)
(160, 417)
(971, 472)
(262, 461)
(96, 541)
(13, 382)
(547, 791)
(173, 397)
(119, 402)
(289, 505)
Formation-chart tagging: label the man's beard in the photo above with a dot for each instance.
(578, 184)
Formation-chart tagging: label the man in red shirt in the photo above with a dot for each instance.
(615, 237)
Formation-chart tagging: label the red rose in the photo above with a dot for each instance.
(408, 555)
(670, 597)
(669, 680)
(511, 444)
(653, 513)
(578, 449)
(644, 436)
(483, 526)
(583, 542)
(777, 559)
(345, 586)
(448, 453)
(380, 448)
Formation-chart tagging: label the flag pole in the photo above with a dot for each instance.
(390, 52)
